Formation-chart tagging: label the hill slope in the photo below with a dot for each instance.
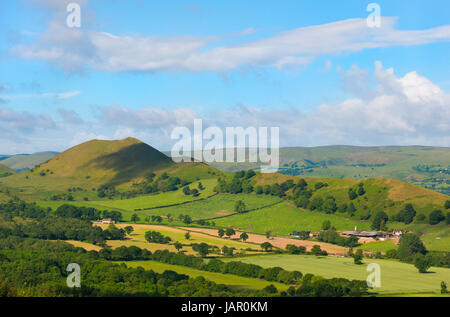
(388, 195)
(6, 171)
(425, 166)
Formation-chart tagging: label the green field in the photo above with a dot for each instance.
(217, 206)
(396, 277)
(161, 199)
(128, 206)
(378, 246)
(228, 279)
(283, 218)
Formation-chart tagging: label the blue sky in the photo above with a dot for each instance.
(140, 68)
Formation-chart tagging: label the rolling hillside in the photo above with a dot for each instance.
(381, 193)
(425, 166)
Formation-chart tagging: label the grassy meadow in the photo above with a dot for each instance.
(284, 218)
(227, 279)
(396, 277)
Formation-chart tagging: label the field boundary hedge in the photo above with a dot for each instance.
(178, 204)
(238, 213)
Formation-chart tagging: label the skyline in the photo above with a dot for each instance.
(322, 76)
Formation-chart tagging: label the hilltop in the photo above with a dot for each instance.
(114, 162)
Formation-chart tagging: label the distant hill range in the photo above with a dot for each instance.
(23, 162)
(425, 166)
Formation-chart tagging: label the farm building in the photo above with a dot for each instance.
(106, 221)
(397, 232)
(362, 234)
(300, 234)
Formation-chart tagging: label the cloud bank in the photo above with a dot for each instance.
(408, 110)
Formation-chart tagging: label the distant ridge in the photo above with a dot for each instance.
(23, 162)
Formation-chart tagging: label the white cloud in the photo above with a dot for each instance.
(56, 95)
(77, 49)
(407, 110)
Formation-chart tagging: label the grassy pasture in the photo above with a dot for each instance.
(127, 206)
(216, 206)
(284, 218)
(161, 199)
(227, 279)
(378, 246)
(396, 277)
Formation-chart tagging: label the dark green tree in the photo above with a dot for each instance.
(379, 220)
(409, 246)
(243, 236)
(230, 232)
(239, 207)
(422, 263)
(358, 256)
(435, 217)
(135, 218)
(266, 246)
(326, 225)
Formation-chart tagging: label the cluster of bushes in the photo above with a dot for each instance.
(156, 237)
(331, 236)
(408, 214)
(36, 222)
(185, 218)
(63, 196)
(293, 249)
(275, 274)
(302, 198)
(86, 213)
(203, 222)
(316, 286)
(124, 253)
(240, 183)
(412, 250)
(107, 191)
(275, 189)
(354, 193)
(188, 191)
